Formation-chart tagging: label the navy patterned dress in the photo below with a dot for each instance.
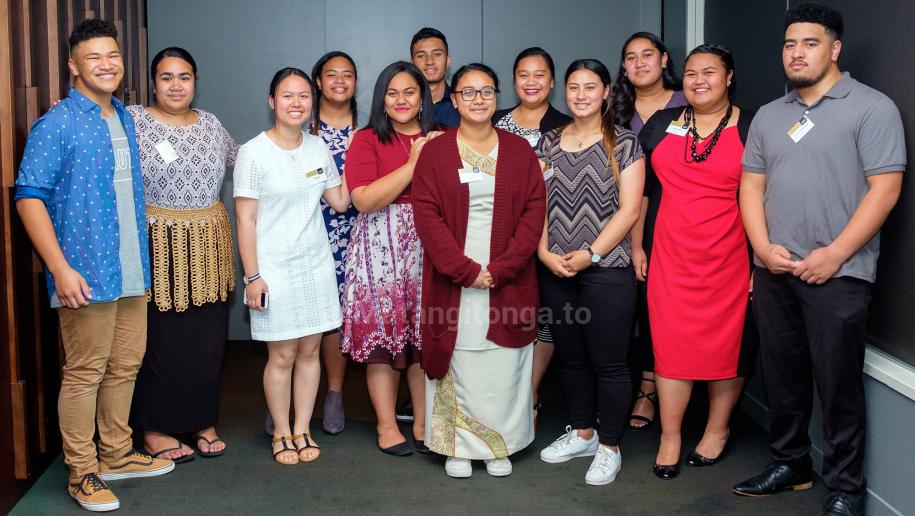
(338, 224)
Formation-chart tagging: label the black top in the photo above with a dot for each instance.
(552, 119)
(650, 136)
(445, 113)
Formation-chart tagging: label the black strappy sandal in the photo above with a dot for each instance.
(651, 397)
(285, 440)
(309, 445)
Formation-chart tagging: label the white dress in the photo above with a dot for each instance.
(293, 252)
(482, 408)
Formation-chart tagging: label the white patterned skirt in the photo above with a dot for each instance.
(381, 289)
(482, 409)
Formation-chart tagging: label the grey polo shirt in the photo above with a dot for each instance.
(814, 186)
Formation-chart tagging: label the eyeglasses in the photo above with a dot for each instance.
(487, 93)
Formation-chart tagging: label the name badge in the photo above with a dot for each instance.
(800, 128)
(548, 174)
(678, 129)
(532, 139)
(469, 175)
(166, 151)
(315, 176)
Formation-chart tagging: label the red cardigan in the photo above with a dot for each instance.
(440, 205)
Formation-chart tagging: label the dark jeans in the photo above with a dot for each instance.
(591, 319)
(815, 333)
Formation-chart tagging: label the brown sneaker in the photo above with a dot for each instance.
(135, 464)
(92, 494)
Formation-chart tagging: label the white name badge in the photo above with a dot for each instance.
(166, 151)
(548, 174)
(315, 176)
(470, 174)
(678, 129)
(800, 128)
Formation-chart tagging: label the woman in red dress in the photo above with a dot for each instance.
(699, 273)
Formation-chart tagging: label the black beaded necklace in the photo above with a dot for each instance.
(693, 138)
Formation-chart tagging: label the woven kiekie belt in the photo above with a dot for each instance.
(199, 245)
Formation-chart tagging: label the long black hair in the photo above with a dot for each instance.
(607, 118)
(316, 72)
(378, 118)
(624, 91)
(727, 60)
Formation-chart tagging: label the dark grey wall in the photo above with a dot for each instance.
(753, 32)
(877, 50)
(674, 31)
(239, 44)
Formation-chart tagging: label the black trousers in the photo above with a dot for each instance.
(590, 317)
(641, 354)
(815, 334)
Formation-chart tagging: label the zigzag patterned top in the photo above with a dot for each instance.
(582, 194)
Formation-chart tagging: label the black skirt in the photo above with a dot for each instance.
(177, 389)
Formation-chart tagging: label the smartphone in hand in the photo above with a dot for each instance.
(265, 298)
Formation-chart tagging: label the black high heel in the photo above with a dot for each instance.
(666, 471)
(696, 460)
(651, 397)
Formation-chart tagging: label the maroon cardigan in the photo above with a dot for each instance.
(440, 205)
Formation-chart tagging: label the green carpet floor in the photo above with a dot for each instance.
(353, 477)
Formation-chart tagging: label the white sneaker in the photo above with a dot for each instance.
(501, 467)
(604, 467)
(457, 467)
(569, 446)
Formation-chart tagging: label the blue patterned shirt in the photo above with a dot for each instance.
(69, 164)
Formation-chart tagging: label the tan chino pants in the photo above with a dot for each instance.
(103, 345)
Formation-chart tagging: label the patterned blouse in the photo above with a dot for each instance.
(508, 123)
(194, 179)
(338, 225)
(582, 194)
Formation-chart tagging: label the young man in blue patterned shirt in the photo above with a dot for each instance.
(80, 196)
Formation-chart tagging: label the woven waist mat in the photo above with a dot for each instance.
(193, 257)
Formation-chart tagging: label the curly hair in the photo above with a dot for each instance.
(829, 18)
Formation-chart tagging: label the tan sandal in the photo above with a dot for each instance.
(286, 440)
(309, 445)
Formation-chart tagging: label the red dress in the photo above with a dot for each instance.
(698, 278)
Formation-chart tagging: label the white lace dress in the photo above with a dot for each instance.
(293, 252)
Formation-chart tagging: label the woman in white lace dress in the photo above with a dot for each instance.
(291, 288)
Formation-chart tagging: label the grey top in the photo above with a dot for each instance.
(814, 186)
(129, 251)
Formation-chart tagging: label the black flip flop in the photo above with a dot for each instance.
(208, 454)
(179, 460)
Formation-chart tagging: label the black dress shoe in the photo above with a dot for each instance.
(666, 471)
(696, 460)
(398, 450)
(843, 504)
(420, 446)
(776, 478)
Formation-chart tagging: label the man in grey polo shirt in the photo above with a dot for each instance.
(822, 170)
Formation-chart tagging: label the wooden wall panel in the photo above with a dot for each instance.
(33, 76)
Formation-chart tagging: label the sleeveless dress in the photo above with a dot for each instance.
(698, 279)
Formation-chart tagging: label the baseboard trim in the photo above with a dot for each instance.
(759, 412)
(890, 371)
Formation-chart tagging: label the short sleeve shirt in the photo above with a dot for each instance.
(69, 164)
(582, 194)
(814, 185)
